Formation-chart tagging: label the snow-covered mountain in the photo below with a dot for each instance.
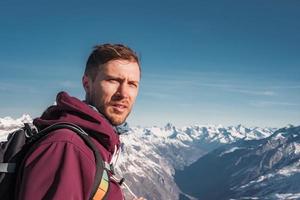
(8, 124)
(151, 156)
(257, 169)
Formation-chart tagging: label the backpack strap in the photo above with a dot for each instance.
(102, 187)
(7, 167)
(101, 181)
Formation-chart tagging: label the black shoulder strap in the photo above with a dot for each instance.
(100, 168)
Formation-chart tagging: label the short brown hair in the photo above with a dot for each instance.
(105, 53)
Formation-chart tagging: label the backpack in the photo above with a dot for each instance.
(19, 143)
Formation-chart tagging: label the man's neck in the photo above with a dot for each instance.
(120, 129)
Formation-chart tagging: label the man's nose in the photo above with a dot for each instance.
(123, 90)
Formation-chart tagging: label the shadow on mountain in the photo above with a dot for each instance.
(264, 169)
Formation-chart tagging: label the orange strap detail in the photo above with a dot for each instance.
(103, 187)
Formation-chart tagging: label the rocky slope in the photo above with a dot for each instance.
(258, 169)
(150, 156)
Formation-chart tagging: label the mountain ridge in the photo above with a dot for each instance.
(151, 156)
(268, 168)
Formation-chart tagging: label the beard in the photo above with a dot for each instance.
(107, 109)
(115, 118)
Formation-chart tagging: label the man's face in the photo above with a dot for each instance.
(114, 89)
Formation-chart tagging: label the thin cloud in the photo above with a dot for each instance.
(70, 84)
(171, 82)
(34, 88)
(157, 95)
(175, 85)
(285, 87)
(253, 92)
(186, 104)
(17, 87)
(240, 89)
(273, 103)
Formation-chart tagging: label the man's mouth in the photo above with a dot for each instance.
(119, 108)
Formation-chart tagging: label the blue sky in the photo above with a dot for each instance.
(203, 62)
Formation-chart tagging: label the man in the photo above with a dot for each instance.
(62, 166)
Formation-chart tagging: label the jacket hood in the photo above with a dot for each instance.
(72, 110)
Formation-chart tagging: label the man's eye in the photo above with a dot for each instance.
(112, 80)
(133, 85)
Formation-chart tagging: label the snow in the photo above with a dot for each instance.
(279, 136)
(297, 148)
(288, 196)
(8, 125)
(230, 150)
(290, 170)
(258, 180)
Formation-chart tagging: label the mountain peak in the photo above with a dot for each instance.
(169, 126)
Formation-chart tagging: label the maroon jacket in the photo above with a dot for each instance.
(62, 167)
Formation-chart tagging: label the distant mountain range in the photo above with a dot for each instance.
(268, 168)
(206, 161)
(153, 155)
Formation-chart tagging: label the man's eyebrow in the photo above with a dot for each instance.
(135, 81)
(119, 78)
(111, 76)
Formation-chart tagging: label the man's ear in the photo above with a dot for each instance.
(86, 83)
